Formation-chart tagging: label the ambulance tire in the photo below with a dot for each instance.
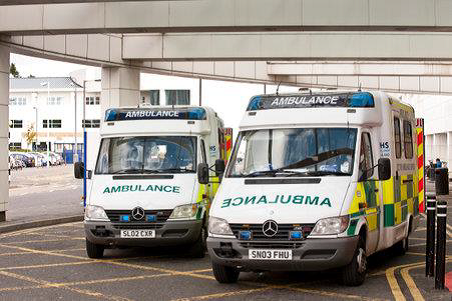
(401, 247)
(94, 251)
(354, 274)
(225, 274)
(198, 249)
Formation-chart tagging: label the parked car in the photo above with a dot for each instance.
(29, 161)
(15, 164)
(41, 158)
(57, 158)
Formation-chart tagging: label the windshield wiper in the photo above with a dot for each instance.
(135, 170)
(326, 173)
(319, 158)
(177, 170)
(273, 172)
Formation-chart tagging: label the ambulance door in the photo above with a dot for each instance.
(370, 185)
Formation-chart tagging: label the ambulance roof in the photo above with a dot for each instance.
(157, 120)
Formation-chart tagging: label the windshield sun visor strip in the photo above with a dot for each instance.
(143, 177)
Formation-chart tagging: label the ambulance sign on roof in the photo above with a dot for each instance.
(155, 113)
(266, 102)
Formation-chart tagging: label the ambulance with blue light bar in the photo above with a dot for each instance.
(316, 181)
(143, 189)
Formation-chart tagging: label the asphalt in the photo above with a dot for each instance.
(41, 197)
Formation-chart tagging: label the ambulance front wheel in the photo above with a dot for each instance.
(94, 251)
(225, 274)
(198, 249)
(354, 273)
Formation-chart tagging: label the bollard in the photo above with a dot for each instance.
(430, 248)
(442, 181)
(441, 216)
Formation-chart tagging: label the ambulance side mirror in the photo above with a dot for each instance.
(219, 167)
(203, 173)
(384, 169)
(79, 168)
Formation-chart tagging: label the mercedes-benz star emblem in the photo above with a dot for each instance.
(138, 213)
(270, 228)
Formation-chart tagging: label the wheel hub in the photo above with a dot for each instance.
(362, 261)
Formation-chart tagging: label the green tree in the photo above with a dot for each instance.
(30, 135)
(13, 70)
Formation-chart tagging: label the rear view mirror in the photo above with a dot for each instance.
(384, 169)
(79, 168)
(203, 173)
(219, 167)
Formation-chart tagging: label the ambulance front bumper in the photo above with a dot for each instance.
(172, 233)
(307, 255)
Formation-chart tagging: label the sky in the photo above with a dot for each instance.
(229, 99)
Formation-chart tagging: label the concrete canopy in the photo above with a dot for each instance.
(227, 16)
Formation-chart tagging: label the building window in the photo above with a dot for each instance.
(91, 123)
(15, 145)
(15, 124)
(53, 123)
(177, 97)
(154, 97)
(54, 100)
(92, 100)
(408, 139)
(17, 101)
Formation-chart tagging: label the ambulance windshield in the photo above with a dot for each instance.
(152, 154)
(294, 152)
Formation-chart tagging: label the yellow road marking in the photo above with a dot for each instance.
(50, 284)
(414, 253)
(42, 240)
(44, 265)
(26, 231)
(410, 282)
(227, 294)
(332, 294)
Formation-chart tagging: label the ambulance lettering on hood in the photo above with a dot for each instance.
(281, 199)
(140, 188)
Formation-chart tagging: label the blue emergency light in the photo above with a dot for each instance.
(361, 100)
(296, 235)
(151, 218)
(245, 235)
(124, 218)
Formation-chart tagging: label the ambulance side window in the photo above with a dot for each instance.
(408, 139)
(203, 152)
(366, 161)
(397, 138)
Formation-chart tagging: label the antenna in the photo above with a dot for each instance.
(359, 87)
(277, 88)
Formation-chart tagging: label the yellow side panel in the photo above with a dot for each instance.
(388, 191)
(403, 188)
(358, 197)
(398, 212)
(372, 221)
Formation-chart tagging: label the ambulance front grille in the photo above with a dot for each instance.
(282, 235)
(162, 215)
(134, 226)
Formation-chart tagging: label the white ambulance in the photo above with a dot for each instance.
(315, 182)
(143, 190)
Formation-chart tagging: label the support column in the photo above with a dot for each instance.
(120, 87)
(4, 130)
(449, 150)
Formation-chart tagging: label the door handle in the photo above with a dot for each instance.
(376, 190)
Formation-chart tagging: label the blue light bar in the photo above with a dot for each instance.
(151, 218)
(361, 100)
(296, 235)
(245, 235)
(158, 113)
(124, 218)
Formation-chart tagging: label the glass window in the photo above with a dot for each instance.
(366, 161)
(95, 123)
(298, 152)
(15, 145)
(177, 97)
(203, 152)
(151, 154)
(407, 139)
(97, 100)
(17, 101)
(154, 97)
(53, 123)
(15, 124)
(397, 138)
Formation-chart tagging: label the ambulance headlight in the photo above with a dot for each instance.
(184, 211)
(95, 213)
(219, 226)
(331, 225)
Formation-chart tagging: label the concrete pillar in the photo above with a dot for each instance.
(120, 87)
(449, 150)
(4, 130)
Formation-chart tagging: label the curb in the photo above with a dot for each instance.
(41, 223)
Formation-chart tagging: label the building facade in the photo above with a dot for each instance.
(53, 108)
